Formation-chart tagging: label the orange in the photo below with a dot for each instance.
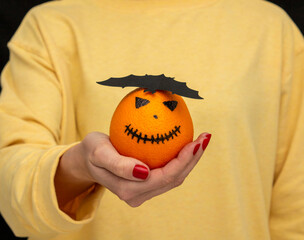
(151, 127)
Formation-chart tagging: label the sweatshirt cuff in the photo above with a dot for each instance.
(44, 195)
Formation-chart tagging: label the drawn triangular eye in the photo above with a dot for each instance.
(139, 102)
(170, 104)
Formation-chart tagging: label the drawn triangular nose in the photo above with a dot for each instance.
(155, 116)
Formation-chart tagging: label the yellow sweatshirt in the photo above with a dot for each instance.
(245, 57)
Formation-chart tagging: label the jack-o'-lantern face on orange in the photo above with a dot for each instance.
(152, 127)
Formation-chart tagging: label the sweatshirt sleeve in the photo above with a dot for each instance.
(287, 206)
(31, 113)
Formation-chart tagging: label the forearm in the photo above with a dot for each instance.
(28, 199)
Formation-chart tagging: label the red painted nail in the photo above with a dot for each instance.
(196, 148)
(140, 171)
(208, 135)
(206, 141)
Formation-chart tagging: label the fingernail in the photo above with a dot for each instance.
(206, 141)
(196, 148)
(208, 135)
(140, 171)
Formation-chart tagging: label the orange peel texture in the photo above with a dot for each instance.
(151, 127)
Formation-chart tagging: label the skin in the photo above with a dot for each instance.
(95, 160)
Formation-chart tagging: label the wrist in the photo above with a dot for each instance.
(73, 163)
(71, 178)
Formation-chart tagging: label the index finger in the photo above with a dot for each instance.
(129, 168)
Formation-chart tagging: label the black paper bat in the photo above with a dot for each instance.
(152, 83)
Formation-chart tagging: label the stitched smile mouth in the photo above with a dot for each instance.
(152, 138)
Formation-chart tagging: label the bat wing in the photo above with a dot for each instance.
(128, 81)
(180, 88)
